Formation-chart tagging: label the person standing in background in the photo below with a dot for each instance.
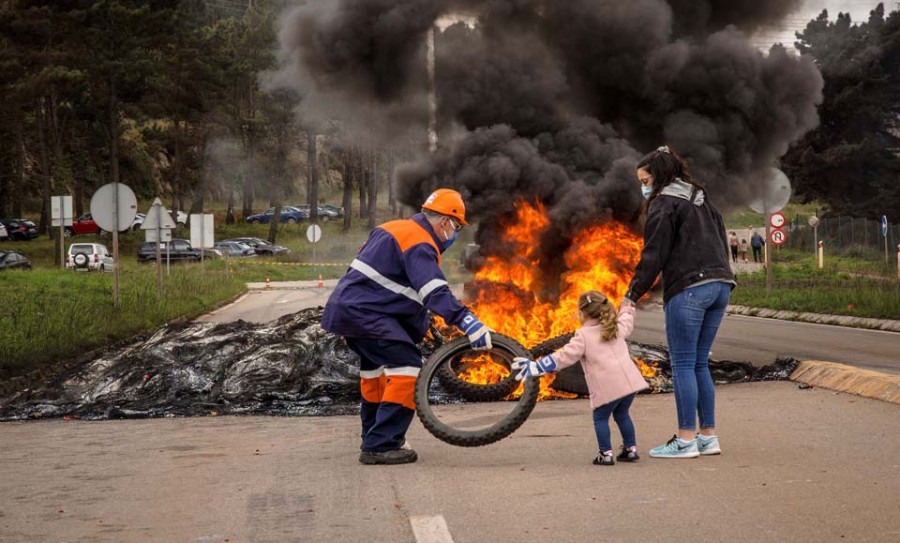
(757, 243)
(733, 243)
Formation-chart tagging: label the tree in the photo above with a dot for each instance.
(850, 161)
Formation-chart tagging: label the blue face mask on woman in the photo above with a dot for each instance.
(646, 191)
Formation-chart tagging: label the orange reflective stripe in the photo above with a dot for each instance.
(409, 233)
(400, 389)
(372, 389)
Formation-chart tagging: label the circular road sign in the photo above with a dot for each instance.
(778, 237)
(314, 233)
(813, 221)
(777, 220)
(773, 192)
(884, 225)
(103, 207)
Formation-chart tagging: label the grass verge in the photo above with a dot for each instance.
(802, 287)
(48, 316)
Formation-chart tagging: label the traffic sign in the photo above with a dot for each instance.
(773, 194)
(114, 207)
(202, 234)
(814, 221)
(314, 233)
(61, 210)
(778, 237)
(884, 225)
(161, 235)
(158, 217)
(777, 219)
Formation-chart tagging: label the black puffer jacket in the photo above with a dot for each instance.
(685, 239)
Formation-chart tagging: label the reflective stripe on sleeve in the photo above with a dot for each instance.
(392, 286)
(430, 287)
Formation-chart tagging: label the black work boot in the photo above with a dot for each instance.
(397, 456)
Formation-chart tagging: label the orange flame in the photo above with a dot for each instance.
(511, 295)
(647, 370)
(482, 369)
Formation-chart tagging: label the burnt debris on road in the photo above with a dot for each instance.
(289, 366)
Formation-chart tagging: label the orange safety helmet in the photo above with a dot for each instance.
(447, 202)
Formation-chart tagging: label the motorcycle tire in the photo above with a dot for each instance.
(509, 348)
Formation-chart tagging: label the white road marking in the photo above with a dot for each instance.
(430, 529)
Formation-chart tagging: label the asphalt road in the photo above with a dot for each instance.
(797, 465)
(751, 339)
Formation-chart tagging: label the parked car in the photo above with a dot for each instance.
(235, 249)
(262, 247)
(337, 210)
(20, 229)
(178, 250)
(289, 214)
(139, 219)
(10, 260)
(83, 225)
(4, 234)
(325, 213)
(89, 256)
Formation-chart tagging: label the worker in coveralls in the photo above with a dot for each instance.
(381, 308)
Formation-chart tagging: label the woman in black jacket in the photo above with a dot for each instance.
(684, 238)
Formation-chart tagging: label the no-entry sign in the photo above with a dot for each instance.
(777, 219)
(777, 237)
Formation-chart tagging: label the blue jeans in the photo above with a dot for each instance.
(619, 410)
(693, 317)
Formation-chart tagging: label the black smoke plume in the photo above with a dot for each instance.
(555, 101)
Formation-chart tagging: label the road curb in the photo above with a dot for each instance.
(292, 285)
(886, 325)
(843, 378)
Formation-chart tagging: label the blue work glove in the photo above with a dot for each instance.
(533, 368)
(479, 335)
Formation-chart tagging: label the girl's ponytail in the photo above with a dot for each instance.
(596, 306)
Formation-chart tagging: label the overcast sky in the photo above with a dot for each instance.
(784, 33)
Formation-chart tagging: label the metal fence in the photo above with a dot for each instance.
(844, 235)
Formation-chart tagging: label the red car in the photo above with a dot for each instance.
(83, 225)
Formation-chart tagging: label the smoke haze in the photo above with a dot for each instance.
(555, 101)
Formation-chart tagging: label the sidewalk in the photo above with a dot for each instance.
(798, 465)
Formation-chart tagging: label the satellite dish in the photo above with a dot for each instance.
(776, 190)
(103, 205)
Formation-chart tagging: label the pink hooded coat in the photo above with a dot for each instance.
(608, 369)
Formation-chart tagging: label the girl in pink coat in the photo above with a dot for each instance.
(612, 377)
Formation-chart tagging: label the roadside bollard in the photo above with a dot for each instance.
(268, 284)
(821, 255)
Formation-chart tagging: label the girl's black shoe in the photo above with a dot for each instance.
(628, 456)
(604, 459)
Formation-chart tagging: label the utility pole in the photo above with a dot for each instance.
(432, 98)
